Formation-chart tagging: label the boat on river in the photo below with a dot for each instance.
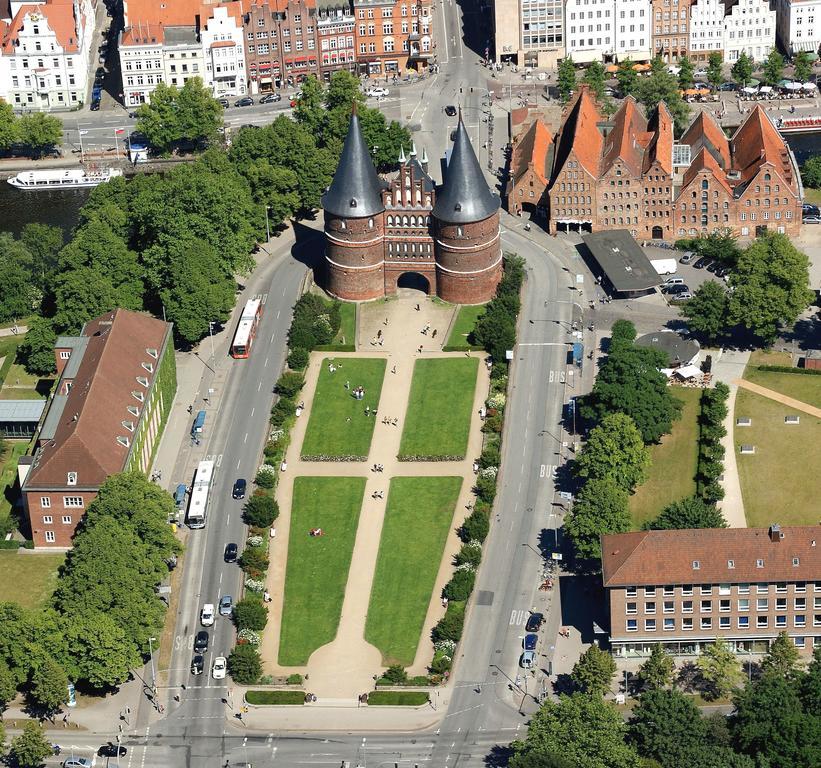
(63, 178)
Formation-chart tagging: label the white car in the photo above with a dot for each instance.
(218, 670)
(207, 615)
(377, 92)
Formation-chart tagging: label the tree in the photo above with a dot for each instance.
(566, 78)
(614, 451)
(595, 77)
(40, 132)
(593, 672)
(250, 613)
(44, 244)
(260, 510)
(720, 668)
(460, 586)
(541, 760)
(622, 334)
(782, 657)
(627, 77)
(773, 68)
(585, 730)
(630, 381)
(666, 726)
(244, 664)
(692, 512)
(660, 86)
(496, 329)
(810, 685)
(601, 507)
(802, 66)
(685, 74)
(657, 671)
(770, 286)
(9, 132)
(343, 90)
(742, 70)
(706, 312)
(18, 291)
(49, 687)
(37, 347)
(31, 747)
(811, 172)
(8, 686)
(310, 108)
(715, 75)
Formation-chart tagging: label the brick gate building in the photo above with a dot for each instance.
(406, 231)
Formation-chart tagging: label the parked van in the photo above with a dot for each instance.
(179, 495)
(199, 423)
(674, 281)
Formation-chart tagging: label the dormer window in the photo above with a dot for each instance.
(71, 478)
(129, 425)
(133, 410)
(731, 564)
(152, 352)
(138, 395)
(696, 565)
(148, 367)
(123, 441)
(759, 563)
(142, 380)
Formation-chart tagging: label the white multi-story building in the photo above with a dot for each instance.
(798, 25)
(610, 30)
(706, 29)
(749, 26)
(223, 49)
(44, 63)
(529, 32)
(182, 55)
(141, 62)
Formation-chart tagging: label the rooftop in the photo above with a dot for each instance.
(679, 350)
(532, 150)
(21, 410)
(622, 260)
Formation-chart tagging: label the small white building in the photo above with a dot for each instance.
(45, 54)
(749, 26)
(798, 25)
(706, 29)
(224, 50)
(183, 56)
(141, 62)
(608, 30)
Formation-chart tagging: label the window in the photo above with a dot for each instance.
(687, 606)
(799, 620)
(631, 591)
(632, 625)
(706, 606)
(72, 501)
(706, 622)
(743, 622)
(762, 589)
(66, 519)
(761, 622)
(731, 564)
(65, 354)
(688, 590)
(744, 604)
(758, 563)
(800, 603)
(669, 606)
(706, 589)
(669, 625)
(650, 607)
(800, 586)
(743, 589)
(649, 591)
(687, 624)
(631, 608)
(50, 537)
(762, 604)
(723, 589)
(45, 502)
(799, 642)
(724, 622)
(47, 519)
(649, 625)
(668, 591)
(781, 621)
(723, 606)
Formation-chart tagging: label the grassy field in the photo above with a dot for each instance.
(28, 580)
(801, 386)
(347, 331)
(275, 697)
(8, 474)
(672, 473)
(774, 482)
(318, 566)
(464, 324)
(437, 422)
(417, 520)
(812, 196)
(398, 698)
(338, 425)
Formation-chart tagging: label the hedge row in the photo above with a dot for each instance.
(789, 369)
(710, 449)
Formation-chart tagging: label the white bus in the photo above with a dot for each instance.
(198, 504)
(247, 329)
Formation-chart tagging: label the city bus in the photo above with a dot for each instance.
(247, 328)
(198, 503)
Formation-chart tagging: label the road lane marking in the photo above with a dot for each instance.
(259, 386)
(252, 411)
(278, 311)
(266, 360)
(246, 438)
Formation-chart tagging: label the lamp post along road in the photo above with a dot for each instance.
(153, 671)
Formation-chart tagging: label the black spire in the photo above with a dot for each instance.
(465, 196)
(355, 190)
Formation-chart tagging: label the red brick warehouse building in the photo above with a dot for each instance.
(381, 235)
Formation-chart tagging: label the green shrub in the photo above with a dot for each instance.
(289, 384)
(476, 526)
(244, 664)
(712, 492)
(301, 336)
(295, 679)
(789, 369)
(298, 358)
(461, 585)
(396, 674)
(275, 698)
(397, 698)
(266, 480)
(493, 424)
(261, 510)
(440, 664)
(450, 626)
(491, 456)
(469, 554)
(486, 488)
(250, 613)
(254, 561)
(283, 409)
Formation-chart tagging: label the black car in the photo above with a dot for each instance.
(714, 267)
(807, 209)
(704, 261)
(245, 101)
(197, 664)
(239, 489)
(201, 641)
(111, 750)
(534, 622)
(450, 110)
(722, 271)
(100, 72)
(224, 103)
(95, 105)
(270, 98)
(727, 87)
(230, 553)
(672, 290)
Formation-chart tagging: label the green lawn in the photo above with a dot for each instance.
(418, 517)
(398, 698)
(27, 579)
(465, 323)
(672, 473)
(8, 475)
(317, 570)
(801, 386)
(437, 422)
(347, 331)
(775, 485)
(338, 425)
(812, 196)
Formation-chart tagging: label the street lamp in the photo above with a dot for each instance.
(267, 226)
(153, 671)
(211, 324)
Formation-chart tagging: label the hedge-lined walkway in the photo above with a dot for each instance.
(345, 667)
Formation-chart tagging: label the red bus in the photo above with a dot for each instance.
(247, 328)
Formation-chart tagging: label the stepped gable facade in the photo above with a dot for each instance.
(384, 234)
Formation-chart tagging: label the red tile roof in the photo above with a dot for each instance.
(624, 142)
(580, 133)
(757, 141)
(59, 17)
(705, 161)
(660, 147)
(668, 557)
(85, 440)
(532, 149)
(704, 131)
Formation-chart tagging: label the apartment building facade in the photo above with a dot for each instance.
(336, 36)
(45, 52)
(798, 25)
(528, 32)
(392, 36)
(608, 30)
(682, 589)
(223, 44)
(671, 29)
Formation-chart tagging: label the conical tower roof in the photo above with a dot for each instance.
(465, 196)
(355, 190)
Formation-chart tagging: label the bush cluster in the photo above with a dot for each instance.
(250, 613)
(790, 369)
(496, 328)
(315, 323)
(710, 450)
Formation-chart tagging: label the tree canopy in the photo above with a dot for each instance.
(39, 132)
(742, 70)
(811, 172)
(657, 671)
(596, 77)
(685, 73)
(627, 77)
(615, 451)
(594, 671)
(692, 512)
(566, 78)
(600, 507)
(660, 86)
(707, 311)
(802, 66)
(715, 76)
(773, 69)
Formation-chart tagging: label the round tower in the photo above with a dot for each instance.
(354, 223)
(466, 226)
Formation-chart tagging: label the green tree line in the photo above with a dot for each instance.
(36, 132)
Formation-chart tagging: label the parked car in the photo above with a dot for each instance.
(111, 750)
(79, 762)
(723, 271)
(673, 290)
(197, 664)
(219, 668)
(529, 642)
(808, 209)
(700, 74)
(207, 615)
(224, 103)
(450, 110)
(245, 101)
(674, 281)
(270, 98)
(378, 91)
(95, 105)
(727, 87)
(230, 555)
(684, 296)
(703, 262)
(201, 641)
(241, 484)
(716, 265)
(534, 622)
(811, 220)
(527, 659)
(100, 72)
(226, 605)
(688, 258)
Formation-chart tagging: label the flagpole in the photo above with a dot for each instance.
(80, 136)
(116, 144)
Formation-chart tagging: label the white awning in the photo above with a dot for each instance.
(688, 371)
(810, 46)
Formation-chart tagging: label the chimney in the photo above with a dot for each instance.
(775, 533)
